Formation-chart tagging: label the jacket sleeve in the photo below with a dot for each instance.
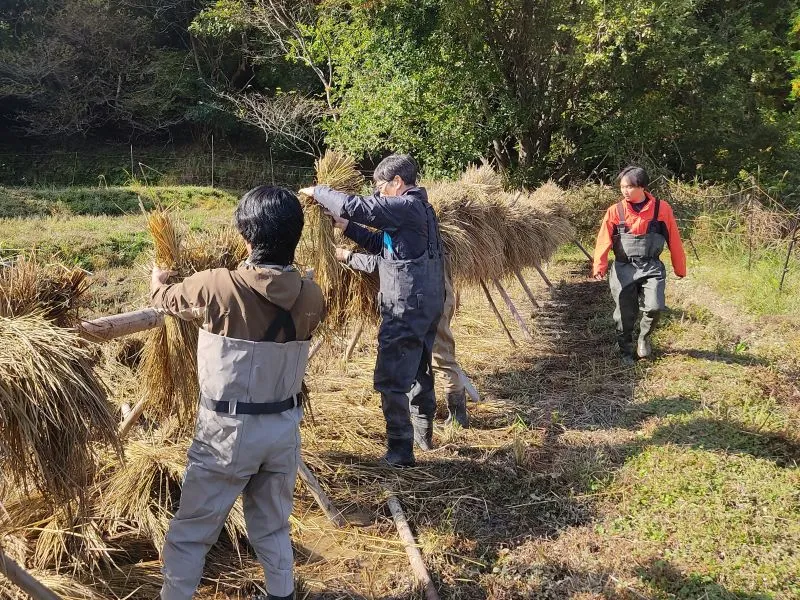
(371, 241)
(603, 244)
(676, 252)
(379, 212)
(186, 300)
(363, 262)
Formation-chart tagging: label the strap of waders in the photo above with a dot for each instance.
(621, 226)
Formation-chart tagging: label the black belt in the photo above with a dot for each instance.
(251, 408)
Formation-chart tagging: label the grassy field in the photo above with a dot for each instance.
(677, 478)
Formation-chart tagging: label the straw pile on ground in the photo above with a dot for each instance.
(489, 233)
(53, 407)
(349, 295)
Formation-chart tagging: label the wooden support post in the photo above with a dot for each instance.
(319, 494)
(130, 419)
(24, 580)
(414, 555)
(525, 287)
(546, 280)
(514, 312)
(582, 249)
(351, 345)
(497, 313)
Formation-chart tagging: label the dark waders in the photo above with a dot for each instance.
(637, 273)
(411, 302)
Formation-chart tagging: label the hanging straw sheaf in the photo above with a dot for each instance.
(489, 233)
(53, 290)
(350, 295)
(169, 362)
(223, 248)
(52, 407)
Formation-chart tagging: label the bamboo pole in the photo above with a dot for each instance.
(351, 345)
(582, 249)
(514, 312)
(319, 494)
(525, 287)
(546, 280)
(114, 326)
(497, 313)
(24, 580)
(412, 550)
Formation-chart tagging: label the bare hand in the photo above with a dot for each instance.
(339, 222)
(308, 191)
(343, 254)
(600, 276)
(159, 277)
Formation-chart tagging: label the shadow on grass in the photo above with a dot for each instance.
(664, 576)
(713, 434)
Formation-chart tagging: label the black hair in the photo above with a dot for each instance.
(271, 220)
(636, 176)
(396, 164)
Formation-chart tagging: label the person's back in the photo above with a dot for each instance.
(407, 253)
(256, 323)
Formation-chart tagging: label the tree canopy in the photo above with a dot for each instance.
(543, 88)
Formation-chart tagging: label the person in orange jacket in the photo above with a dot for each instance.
(636, 228)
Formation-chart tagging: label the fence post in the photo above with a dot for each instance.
(212, 161)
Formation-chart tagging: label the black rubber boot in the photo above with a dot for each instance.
(271, 597)
(399, 452)
(423, 431)
(457, 409)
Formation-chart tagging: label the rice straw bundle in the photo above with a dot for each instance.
(169, 362)
(67, 588)
(348, 294)
(223, 248)
(52, 407)
(53, 290)
(62, 536)
(489, 233)
(141, 496)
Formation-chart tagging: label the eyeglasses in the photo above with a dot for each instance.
(380, 186)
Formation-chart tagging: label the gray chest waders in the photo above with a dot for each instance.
(411, 300)
(246, 442)
(637, 271)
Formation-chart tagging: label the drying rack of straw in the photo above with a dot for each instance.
(488, 234)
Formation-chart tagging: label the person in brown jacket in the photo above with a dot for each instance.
(256, 323)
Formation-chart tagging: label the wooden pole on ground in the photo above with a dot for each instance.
(514, 312)
(351, 345)
(319, 494)
(546, 280)
(108, 328)
(582, 249)
(24, 580)
(414, 555)
(525, 287)
(497, 313)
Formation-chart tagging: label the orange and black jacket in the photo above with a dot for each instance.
(637, 223)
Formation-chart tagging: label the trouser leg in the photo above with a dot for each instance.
(626, 304)
(652, 305)
(267, 507)
(422, 398)
(444, 346)
(206, 499)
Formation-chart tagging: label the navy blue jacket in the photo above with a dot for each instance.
(402, 220)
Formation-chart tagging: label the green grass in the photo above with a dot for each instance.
(28, 202)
